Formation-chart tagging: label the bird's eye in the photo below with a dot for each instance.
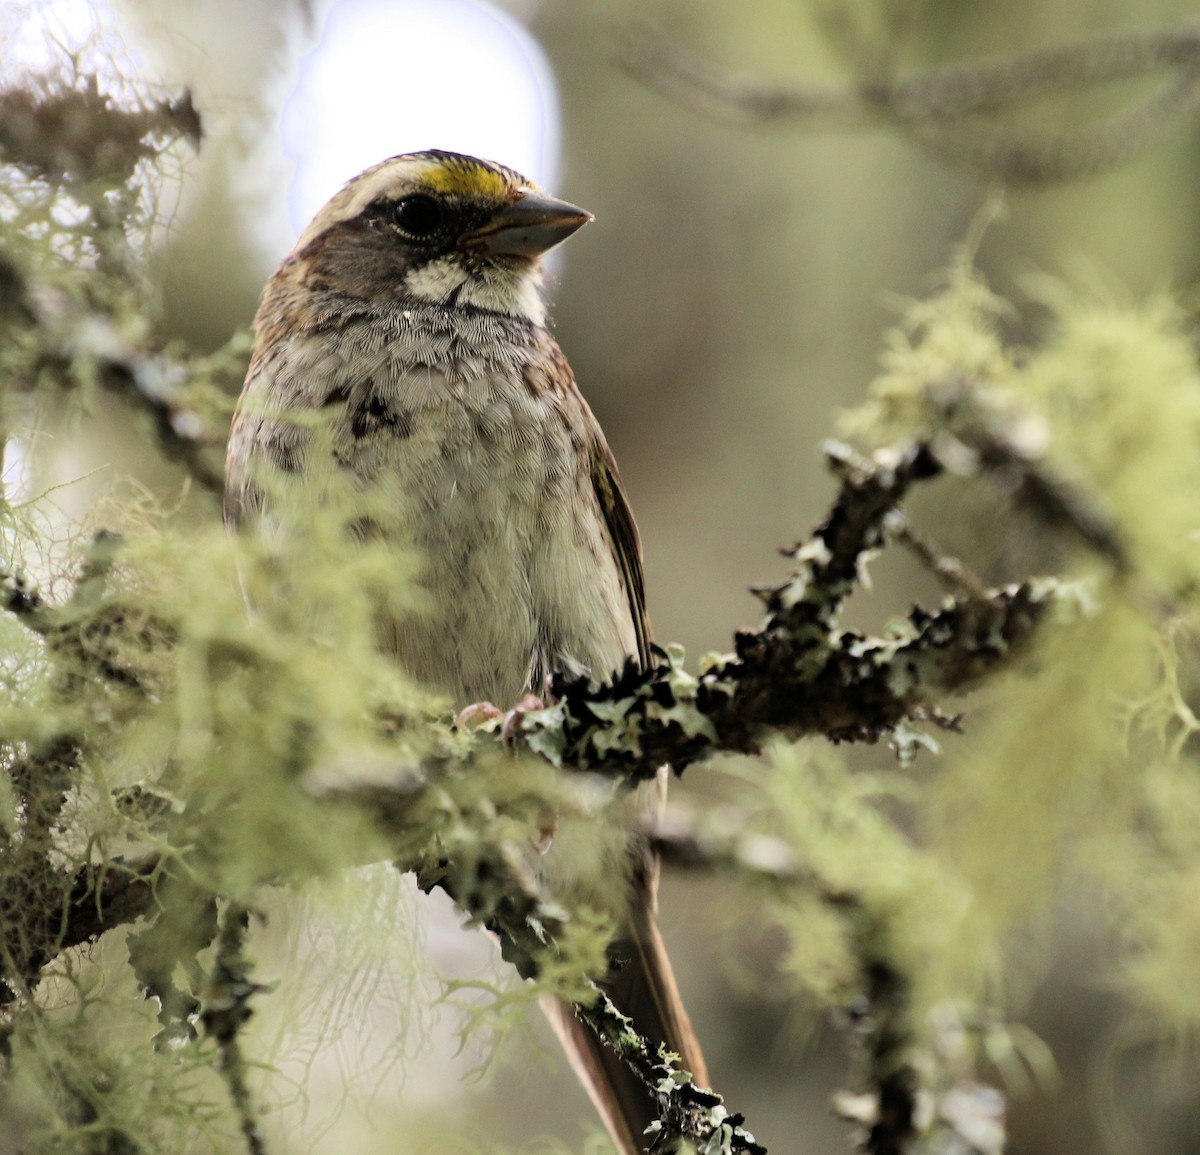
(418, 215)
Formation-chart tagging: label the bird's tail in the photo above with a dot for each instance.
(644, 989)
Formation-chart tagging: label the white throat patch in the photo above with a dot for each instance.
(500, 290)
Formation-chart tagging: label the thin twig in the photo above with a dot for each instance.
(958, 577)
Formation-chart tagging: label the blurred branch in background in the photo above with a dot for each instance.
(950, 111)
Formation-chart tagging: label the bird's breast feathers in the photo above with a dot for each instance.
(482, 465)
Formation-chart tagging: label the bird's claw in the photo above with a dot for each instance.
(481, 715)
(477, 715)
(513, 720)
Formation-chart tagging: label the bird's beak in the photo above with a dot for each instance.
(528, 227)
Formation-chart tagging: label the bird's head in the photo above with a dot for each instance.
(436, 228)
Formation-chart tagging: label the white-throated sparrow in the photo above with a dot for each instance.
(408, 323)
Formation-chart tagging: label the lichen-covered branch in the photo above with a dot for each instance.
(798, 673)
(165, 756)
(530, 927)
(727, 844)
(70, 338)
(83, 134)
(20, 596)
(31, 886)
(686, 1111)
(153, 383)
(72, 314)
(974, 438)
(225, 1012)
(909, 1096)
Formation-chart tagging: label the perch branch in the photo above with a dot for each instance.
(798, 673)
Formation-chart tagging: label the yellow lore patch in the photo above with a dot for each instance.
(465, 177)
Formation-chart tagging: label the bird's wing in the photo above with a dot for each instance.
(627, 546)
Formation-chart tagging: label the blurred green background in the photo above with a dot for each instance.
(728, 301)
